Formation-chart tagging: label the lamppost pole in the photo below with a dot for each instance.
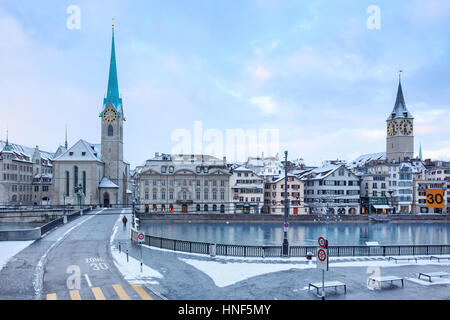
(286, 207)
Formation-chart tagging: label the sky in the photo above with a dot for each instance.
(314, 74)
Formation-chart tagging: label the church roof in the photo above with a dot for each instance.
(112, 95)
(400, 110)
(82, 151)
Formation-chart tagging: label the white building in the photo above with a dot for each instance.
(334, 188)
(247, 191)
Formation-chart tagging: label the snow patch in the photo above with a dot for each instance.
(226, 274)
(8, 249)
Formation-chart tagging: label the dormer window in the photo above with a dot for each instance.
(405, 114)
(171, 169)
(70, 153)
(83, 154)
(163, 169)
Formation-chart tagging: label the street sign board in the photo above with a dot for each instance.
(322, 259)
(435, 198)
(322, 242)
(141, 237)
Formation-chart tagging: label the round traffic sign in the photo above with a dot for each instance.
(141, 236)
(286, 225)
(322, 255)
(322, 242)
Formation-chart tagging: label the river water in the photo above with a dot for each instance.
(302, 233)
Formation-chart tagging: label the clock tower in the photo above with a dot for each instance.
(112, 119)
(400, 131)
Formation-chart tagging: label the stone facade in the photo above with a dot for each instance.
(274, 196)
(183, 184)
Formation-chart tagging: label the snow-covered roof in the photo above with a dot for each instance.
(322, 172)
(26, 153)
(106, 183)
(82, 151)
(366, 158)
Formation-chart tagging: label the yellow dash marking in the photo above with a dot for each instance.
(75, 295)
(98, 294)
(120, 292)
(52, 296)
(141, 292)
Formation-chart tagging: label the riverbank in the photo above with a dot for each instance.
(262, 218)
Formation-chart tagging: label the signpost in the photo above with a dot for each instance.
(322, 261)
(141, 239)
(435, 198)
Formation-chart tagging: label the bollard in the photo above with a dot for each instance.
(65, 220)
(81, 212)
(119, 248)
(127, 256)
(141, 266)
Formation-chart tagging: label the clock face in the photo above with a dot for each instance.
(406, 127)
(110, 115)
(392, 128)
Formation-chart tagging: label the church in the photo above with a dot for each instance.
(89, 173)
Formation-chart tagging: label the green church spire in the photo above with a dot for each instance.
(112, 95)
(420, 153)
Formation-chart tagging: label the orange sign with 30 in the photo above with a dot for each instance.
(435, 199)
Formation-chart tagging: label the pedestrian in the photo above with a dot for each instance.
(124, 220)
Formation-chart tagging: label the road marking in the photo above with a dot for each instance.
(38, 282)
(75, 295)
(98, 294)
(88, 281)
(141, 292)
(120, 292)
(52, 296)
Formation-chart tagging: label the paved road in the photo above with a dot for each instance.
(72, 262)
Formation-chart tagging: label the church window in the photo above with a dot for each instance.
(67, 183)
(75, 176)
(110, 131)
(84, 182)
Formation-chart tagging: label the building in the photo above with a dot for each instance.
(20, 166)
(435, 177)
(400, 131)
(274, 195)
(183, 184)
(375, 193)
(332, 187)
(97, 173)
(247, 191)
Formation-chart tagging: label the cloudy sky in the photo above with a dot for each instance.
(310, 70)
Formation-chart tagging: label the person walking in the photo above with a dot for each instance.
(124, 220)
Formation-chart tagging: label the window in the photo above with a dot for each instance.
(75, 176)
(110, 131)
(84, 182)
(67, 183)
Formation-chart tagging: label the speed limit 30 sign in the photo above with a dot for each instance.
(435, 199)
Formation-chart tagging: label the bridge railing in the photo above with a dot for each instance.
(229, 250)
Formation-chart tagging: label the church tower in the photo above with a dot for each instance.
(112, 119)
(400, 131)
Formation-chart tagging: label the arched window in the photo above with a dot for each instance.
(110, 131)
(206, 208)
(67, 183)
(75, 176)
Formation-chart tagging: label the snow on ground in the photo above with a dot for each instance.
(131, 270)
(225, 274)
(9, 249)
